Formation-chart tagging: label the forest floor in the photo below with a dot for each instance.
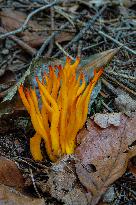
(37, 33)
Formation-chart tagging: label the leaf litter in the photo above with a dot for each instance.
(107, 152)
(84, 177)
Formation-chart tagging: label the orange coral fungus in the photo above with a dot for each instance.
(65, 100)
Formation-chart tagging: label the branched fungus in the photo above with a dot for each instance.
(65, 100)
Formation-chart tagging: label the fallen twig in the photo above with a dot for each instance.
(121, 85)
(47, 40)
(117, 42)
(33, 181)
(82, 32)
(63, 51)
(21, 43)
(24, 26)
(52, 27)
(121, 75)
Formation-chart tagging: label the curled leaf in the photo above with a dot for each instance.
(103, 154)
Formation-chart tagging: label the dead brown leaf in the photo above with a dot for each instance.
(97, 60)
(10, 174)
(9, 196)
(64, 36)
(36, 40)
(103, 154)
(62, 183)
(12, 19)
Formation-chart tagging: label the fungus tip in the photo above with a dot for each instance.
(68, 59)
(78, 58)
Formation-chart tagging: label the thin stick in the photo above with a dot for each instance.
(51, 30)
(24, 161)
(21, 43)
(33, 181)
(47, 40)
(107, 107)
(121, 85)
(65, 53)
(110, 86)
(52, 27)
(121, 75)
(24, 26)
(88, 25)
(117, 42)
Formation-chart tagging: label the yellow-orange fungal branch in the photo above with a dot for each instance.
(65, 98)
(35, 142)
